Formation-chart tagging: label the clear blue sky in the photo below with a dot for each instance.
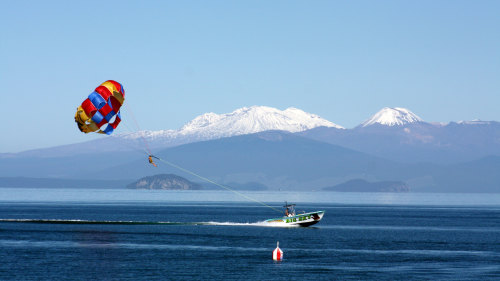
(342, 60)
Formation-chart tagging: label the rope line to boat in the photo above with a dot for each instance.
(134, 147)
(217, 184)
(129, 109)
(147, 150)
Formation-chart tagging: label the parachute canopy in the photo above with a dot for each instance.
(100, 108)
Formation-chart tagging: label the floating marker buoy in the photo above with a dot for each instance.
(277, 253)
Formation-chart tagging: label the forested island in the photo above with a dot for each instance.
(165, 182)
(359, 185)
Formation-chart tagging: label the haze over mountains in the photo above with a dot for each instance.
(289, 149)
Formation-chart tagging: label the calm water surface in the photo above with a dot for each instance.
(150, 235)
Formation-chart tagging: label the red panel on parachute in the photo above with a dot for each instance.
(88, 107)
(104, 92)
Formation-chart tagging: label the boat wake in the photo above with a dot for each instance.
(106, 222)
(260, 223)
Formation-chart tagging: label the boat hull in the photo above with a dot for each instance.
(304, 220)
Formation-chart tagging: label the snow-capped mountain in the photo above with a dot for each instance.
(413, 140)
(474, 122)
(396, 116)
(246, 120)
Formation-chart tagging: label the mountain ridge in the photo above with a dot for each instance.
(408, 142)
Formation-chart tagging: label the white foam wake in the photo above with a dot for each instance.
(259, 223)
(79, 221)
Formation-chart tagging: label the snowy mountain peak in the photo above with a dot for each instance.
(246, 120)
(255, 119)
(389, 116)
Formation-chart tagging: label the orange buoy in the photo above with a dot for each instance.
(277, 253)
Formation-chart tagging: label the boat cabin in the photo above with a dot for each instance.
(289, 209)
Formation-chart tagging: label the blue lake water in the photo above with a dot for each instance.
(109, 234)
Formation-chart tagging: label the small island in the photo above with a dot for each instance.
(164, 182)
(360, 185)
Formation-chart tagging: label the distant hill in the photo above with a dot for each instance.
(164, 181)
(359, 185)
(417, 141)
(275, 159)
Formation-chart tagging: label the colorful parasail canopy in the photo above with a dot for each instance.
(101, 109)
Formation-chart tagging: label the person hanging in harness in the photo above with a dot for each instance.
(150, 158)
